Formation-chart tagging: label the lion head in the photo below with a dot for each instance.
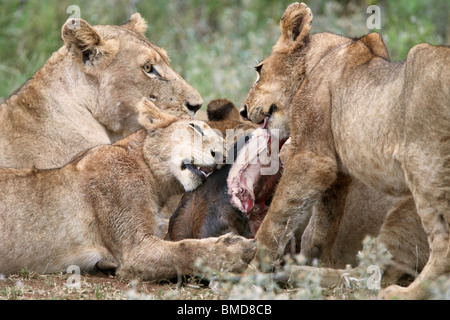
(189, 149)
(122, 66)
(280, 75)
(296, 55)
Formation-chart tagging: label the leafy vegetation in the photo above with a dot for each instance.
(212, 44)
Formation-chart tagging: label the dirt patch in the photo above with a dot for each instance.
(100, 286)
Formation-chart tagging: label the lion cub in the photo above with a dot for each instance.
(100, 209)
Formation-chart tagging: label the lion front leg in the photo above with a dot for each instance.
(157, 259)
(305, 178)
(320, 235)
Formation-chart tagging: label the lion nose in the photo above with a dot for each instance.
(192, 107)
(243, 113)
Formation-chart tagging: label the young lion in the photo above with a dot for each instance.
(86, 93)
(99, 210)
(352, 114)
(207, 211)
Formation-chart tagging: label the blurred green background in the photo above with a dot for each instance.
(213, 44)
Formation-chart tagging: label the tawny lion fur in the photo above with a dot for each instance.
(100, 209)
(354, 115)
(86, 93)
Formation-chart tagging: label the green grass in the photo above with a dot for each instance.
(212, 44)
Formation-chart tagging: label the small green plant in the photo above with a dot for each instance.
(440, 288)
(24, 273)
(12, 292)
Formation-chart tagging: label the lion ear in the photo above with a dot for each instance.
(375, 43)
(295, 24)
(136, 23)
(151, 117)
(86, 43)
(222, 109)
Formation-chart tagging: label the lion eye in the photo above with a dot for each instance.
(197, 128)
(150, 69)
(258, 71)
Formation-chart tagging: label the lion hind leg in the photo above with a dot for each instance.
(431, 193)
(329, 277)
(403, 235)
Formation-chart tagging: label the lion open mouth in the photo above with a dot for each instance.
(202, 172)
(250, 191)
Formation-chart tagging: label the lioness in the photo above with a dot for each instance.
(99, 210)
(352, 114)
(85, 95)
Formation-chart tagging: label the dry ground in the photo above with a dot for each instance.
(251, 285)
(30, 286)
(26, 286)
(100, 286)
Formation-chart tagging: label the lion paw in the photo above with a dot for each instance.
(395, 292)
(236, 251)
